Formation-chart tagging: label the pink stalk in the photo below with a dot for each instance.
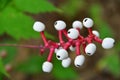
(98, 39)
(88, 39)
(77, 48)
(90, 31)
(60, 37)
(50, 54)
(44, 38)
(25, 46)
(65, 33)
(67, 45)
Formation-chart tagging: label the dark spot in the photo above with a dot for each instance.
(68, 32)
(78, 65)
(85, 20)
(114, 43)
(89, 53)
(58, 56)
(55, 23)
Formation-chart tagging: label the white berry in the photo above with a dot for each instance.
(61, 54)
(47, 66)
(66, 62)
(96, 33)
(79, 60)
(73, 33)
(88, 22)
(90, 49)
(60, 25)
(72, 48)
(77, 24)
(108, 43)
(38, 26)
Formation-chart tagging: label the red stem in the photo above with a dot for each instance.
(65, 33)
(44, 38)
(60, 37)
(98, 39)
(68, 44)
(25, 46)
(50, 54)
(77, 48)
(90, 31)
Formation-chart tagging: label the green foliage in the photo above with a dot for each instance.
(2, 69)
(32, 65)
(71, 7)
(16, 24)
(3, 3)
(34, 6)
(111, 62)
(63, 73)
(11, 53)
(102, 26)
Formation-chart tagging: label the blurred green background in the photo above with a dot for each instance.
(16, 21)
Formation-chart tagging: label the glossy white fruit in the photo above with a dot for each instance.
(38, 26)
(72, 48)
(61, 54)
(66, 62)
(88, 22)
(60, 25)
(79, 60)
(47, 66)
(96, 33)
(90, 49)
(77, 24)
(108, 43)
(73, 33)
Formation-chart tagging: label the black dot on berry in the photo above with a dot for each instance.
(114, 43)
(85, 20)
(89, 53)
(55, 23)
(58, 56)
(68, 32)
(78, 65)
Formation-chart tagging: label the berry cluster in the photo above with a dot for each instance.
(74, 42)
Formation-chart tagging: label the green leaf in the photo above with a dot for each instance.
(10, 51)
(16, 24)
(103, 27)
(10, 55)
(31, 66)
(112, 63)
(2, 69)
(1, 78)
(71, 7)
(63, 73)
(34, 6)
(3, 3)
